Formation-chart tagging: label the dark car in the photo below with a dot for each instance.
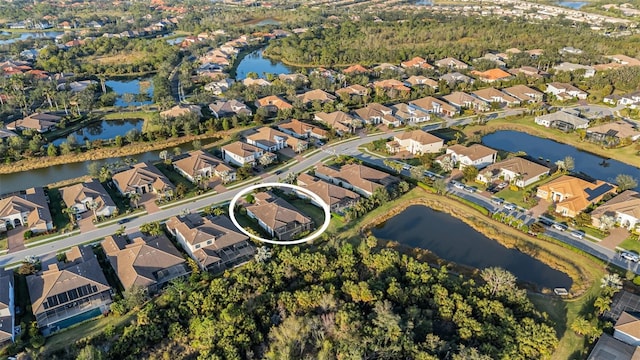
(123, 221)
(545, 222)
(278, 172)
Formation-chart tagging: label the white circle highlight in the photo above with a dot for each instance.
(314, 196)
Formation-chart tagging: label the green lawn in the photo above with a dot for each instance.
(593, 232)
(516, 197)
(56, 204)
(122, 202)
(176, 178)
(3, 242)
(314, 212)
(631, 243)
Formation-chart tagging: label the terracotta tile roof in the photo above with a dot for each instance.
(276, 212)
(577, 193)
(316, 95)
(140, 174)
(338, 120)
(195, 161)
(182, 110)
(354, 89)
(624, 60)
(628, 324)
(360, 176)
(266, 135)
(417, 62)
(492, 74)
(302, 128)
(391, 84)
(328, 192)
(356, 69)
(274, 100)
(93, 189)
(473, 152)
(528, 169)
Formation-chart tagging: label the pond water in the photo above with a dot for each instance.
(264, 22)
(255, 62)
(423, 2)
(28, 35)
(536, 147)
(175, 41)
(453, 240)
(105, 129)
(135, 87)
(572, 4)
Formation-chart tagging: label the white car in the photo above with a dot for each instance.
(470, 189)
(458, 185)
(497, 201)
(510, 206)
(578, 234)
(630, 256)
(406, 167)
(560, 227)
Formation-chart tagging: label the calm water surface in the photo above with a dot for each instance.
(255, 62)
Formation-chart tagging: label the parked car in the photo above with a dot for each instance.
(78, 217)
(123, 221)
(546, 222)
(561, 227)
(458, 185)
(406, 167)
(630, 256)
(502, 185)
(578, 234)
(470, 189)
(320, 143)
(510, 206)
(497, 201)
(278, 172)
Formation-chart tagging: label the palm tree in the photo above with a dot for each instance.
(602, 304)
(218, 211)
(135, 197)
(71, 212)
(93, 205)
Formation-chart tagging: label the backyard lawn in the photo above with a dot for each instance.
(314, 212)
(631, 243)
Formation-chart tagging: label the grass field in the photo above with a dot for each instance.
(129, 57)
(310, 210)
(631, 243)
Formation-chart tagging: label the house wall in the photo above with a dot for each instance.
(626, 338)
(183, 173)
(236, 159)
(106, 211)
(623, 219)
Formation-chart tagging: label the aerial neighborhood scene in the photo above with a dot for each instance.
(320, 179)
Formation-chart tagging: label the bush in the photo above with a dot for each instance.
(28, 234)
(636, 280)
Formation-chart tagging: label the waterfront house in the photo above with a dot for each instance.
(415, 142)
(222, 108)
(248, 82)
(340, 121)
(476, 155)
(81, 197)
(614, 132)
(148, 262)
(272, 140)
(624, 208)
(563, 120)
(142, 178)
(564, 91)
(302, 130)
(435, 106)
(318, 95)
(212, 241)
(28, 208)
(338, 198)
(627, 329)
(273, 103)
(182, 110)
(199, 164)
(572, 195)
(38, 122)
(69, 292)
(277, 217)
(240, 153)
(7, 307)
(359, 178)
(519, 171)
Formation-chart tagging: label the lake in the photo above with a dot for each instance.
(105, 129)
(29, 35)
(536, 147)
(453, 240)
(134, 87)
(572, 4)
(255, 62)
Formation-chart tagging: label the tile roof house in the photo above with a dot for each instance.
(270, 139)
(436, 106)
(38, 122)
(524, 93)
(519, 171)
(240, 153)
(353, 90)
(7, 307)
(415, 142)
(627, 329)
(277, 217)
(316, 95)
(624, 208)
(462, 100)
(145, 262)
(303, 130)
(492, 75)
(390, 85)
(29, 208)
(416, 62)
(273, 103)
(66, 290)
(181, 110)
(292, 78)
(255, 82)
(610, 348)
(338, 198)
(142, 178)
(493, 95)
(456, 77)
(387, 68)
(476, 155)
(359, 178)
(563, 120)
(212, 241)
(410, 114)
(572, 195)
(375, 113)
(80, 196)
(451, 63)
(199, 164)
(221, 108)
(564, 91)
(340, 121)
(589, 71)
(529, 71)
(355, 69)
(613, 132)
(624, 60)
(418, 80)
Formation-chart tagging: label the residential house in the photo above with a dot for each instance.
(610, 348)
(463, 100)
(316, 95)
(199, 164)
(493, 95)
(7, 307)
(564, 91)
(219, 87)
(614, 132)
(277, 217)
(529, 71)
(456, 77)
(624, 208)
(272, 140)
(415, 142)
(353, 90)
(436, 106)
(416, 62)
(82, 196)
(273, 103)
(589, 71)
(29, 209)
(142, 178)
(387, 68)
(572, 195)
(627, 329)
(240, 153)
(303, 130)
(255, 82)
(451, 63)
(392, 87)
(359, 178)
(293, 78)
(570, 50)
(497, 60)
(516, 170)
(5, 134)
(70, 292)
(563, 120)
(222, 108)
(410, 114)
(212, 241)
(492, 75)
(76, 86)
(340, 121)
(375, 113)
(39, 122)
(631, 100)
(181, 110)
(148, 262)
(524, 93)
(355, 69)
(624, 60)
(476, 155)
(419, 80)
(338, 198)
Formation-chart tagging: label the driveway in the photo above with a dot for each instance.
(15, 239)
(539, 209)
(148, 201)
(616, 236)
